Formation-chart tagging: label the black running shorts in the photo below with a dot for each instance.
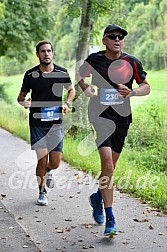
(108, 134)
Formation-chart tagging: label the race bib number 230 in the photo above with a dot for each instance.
(110, 96)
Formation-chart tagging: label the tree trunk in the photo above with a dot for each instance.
(85, 30)
(82, 53)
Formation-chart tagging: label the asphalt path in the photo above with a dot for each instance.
(66, 224)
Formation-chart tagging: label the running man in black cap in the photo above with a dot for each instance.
(109, 111)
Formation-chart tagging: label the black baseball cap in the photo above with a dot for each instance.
(112, 27)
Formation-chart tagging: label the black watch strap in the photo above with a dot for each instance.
(132, 93)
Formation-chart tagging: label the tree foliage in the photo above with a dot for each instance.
(148, 33)
(22, 22)
(130, 4)
(74, 25)
(89, 11)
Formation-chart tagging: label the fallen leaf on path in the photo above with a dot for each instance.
(146, 212)
(60, 231)
(85, 247)
(20, 218)
(87, 225)
(137, 220)
(78, 176)
(94, 232)
(121, 232)
(158, 214)
(73, 226)
(3, 195)
(72, 244)
(124, 242)
(68, 229)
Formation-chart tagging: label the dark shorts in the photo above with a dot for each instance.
(108, 134)
(47, 137)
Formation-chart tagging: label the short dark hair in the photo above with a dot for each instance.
(43, 42)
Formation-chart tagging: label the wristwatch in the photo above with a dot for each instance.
(132, 93)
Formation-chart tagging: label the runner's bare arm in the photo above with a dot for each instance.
(22, 101)
(71, 93)
(141, 90)
(89, 90)
(70, 98)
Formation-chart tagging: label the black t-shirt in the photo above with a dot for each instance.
(46, 94)
(106, 74)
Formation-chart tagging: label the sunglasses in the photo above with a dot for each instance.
(114, 36)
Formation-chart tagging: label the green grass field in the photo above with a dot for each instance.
(141, 169)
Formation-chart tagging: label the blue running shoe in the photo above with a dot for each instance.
(110, 227)
(97, 210)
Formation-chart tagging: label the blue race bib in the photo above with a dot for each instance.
(50, 114)
(110, 96)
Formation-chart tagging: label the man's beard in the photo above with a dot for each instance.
(45, 63)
